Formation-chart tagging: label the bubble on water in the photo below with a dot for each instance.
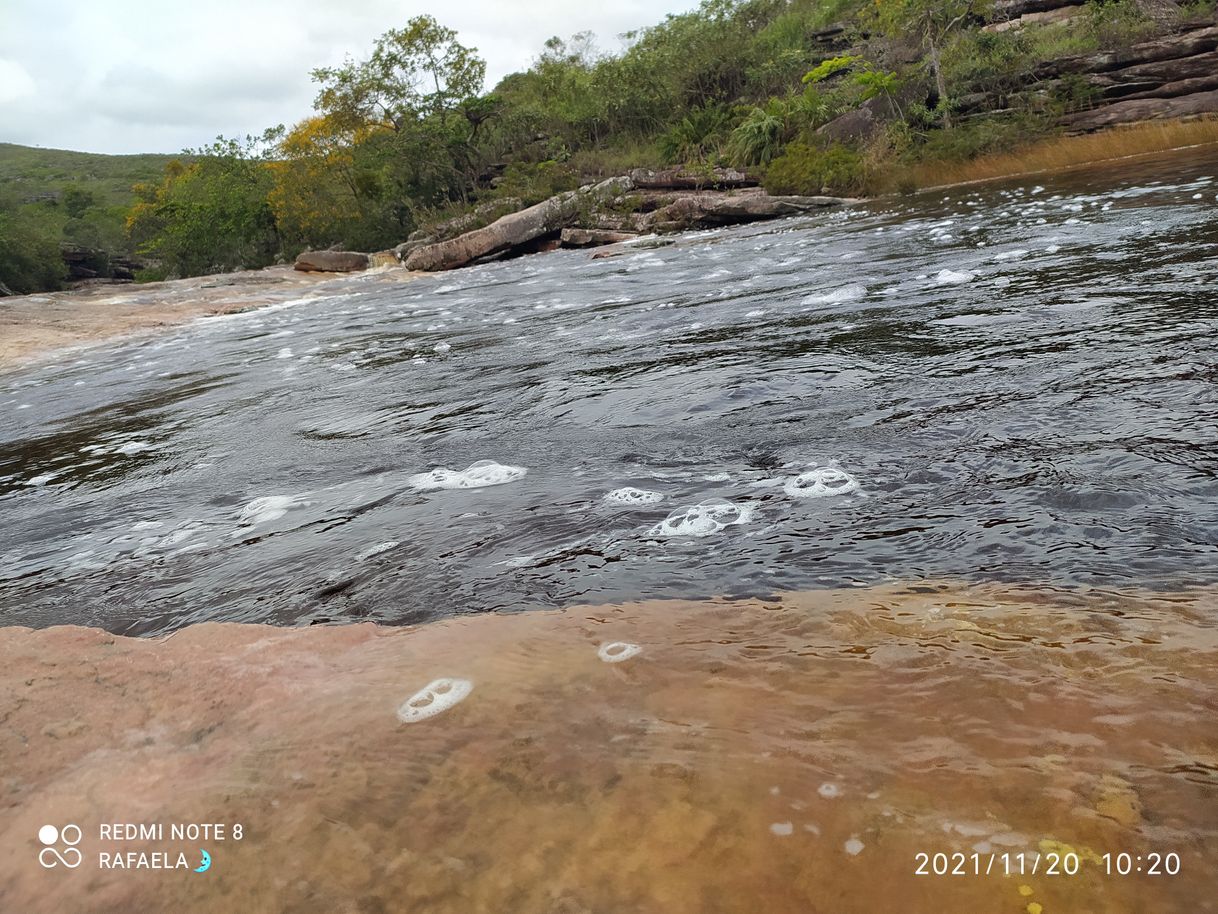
(854, 847)
(434, 698)
(617, 651)
(953, 277)
(844, 294)
(821, 482)
(782, 829)
(702, 519)
(632, 497)
(829, 790)
(268, 508)
(477, 475)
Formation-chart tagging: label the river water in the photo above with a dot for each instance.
(903, 518)
(1018, 380)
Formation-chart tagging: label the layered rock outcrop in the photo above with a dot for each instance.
(616, 210)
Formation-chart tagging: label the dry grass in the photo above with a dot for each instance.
(1064, 152)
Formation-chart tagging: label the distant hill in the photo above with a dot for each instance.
(62, 214)
(28, 173)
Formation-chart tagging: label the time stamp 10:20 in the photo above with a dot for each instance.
(1044, 864)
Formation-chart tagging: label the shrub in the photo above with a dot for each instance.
(804, 169)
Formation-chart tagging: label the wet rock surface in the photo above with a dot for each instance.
(749, 755)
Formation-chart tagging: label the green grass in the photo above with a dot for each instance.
(26, 172)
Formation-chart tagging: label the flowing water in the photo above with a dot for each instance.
(911, 510)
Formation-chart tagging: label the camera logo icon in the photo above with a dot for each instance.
(52, 856)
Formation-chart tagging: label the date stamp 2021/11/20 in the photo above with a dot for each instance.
(1046, 863)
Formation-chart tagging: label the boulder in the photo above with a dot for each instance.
(511, 231)
(402, 251)
(593, 238)
(690, 178)
(703, 210)
(331, 261)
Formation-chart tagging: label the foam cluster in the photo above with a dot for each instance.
(702, 519)
(476, 476)
(617, 651)
(632, 497)
(268, 508)
(434, 698)
(821, 482)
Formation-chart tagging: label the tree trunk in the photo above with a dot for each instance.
(940, 87)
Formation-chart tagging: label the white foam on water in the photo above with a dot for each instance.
(132, 447)
(837, 296)
(1053, 249)
(854, 847)
(829, 791)
(434, 698)
(954, 278)
(477, 475)
(41, 480)
(702, 519)
(268, 508)
(284, 353)
(617, 651)
(1011, 255)
(376, 550)
(441, 348)
(782, 829)
(632, 497)
(821, 482)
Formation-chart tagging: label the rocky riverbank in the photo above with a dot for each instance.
(32, 326)
(608, 212)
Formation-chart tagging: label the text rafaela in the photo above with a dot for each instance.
(131, 860)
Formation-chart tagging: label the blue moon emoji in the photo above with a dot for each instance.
(205, 863)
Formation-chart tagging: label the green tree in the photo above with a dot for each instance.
(413, 73)
(211, 215)
(77, 201)
(932, 21)
(30, 260)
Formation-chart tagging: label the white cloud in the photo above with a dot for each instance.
(151, 76)
(15, 82)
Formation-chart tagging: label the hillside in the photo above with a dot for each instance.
(54, 197)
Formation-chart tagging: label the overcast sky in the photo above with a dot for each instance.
(159, 75)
